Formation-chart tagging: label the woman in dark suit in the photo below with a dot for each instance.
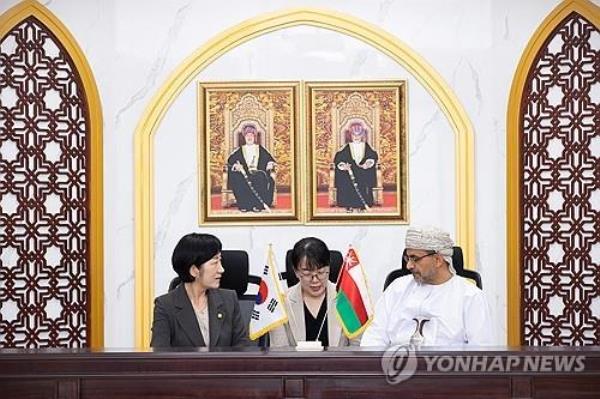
(198, 312)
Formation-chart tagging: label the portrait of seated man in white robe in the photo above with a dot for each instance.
(249, 174)
(355, 173)
(432, 305)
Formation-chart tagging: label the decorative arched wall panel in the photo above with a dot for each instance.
(51, 188)
(554, 183)
(238, 35)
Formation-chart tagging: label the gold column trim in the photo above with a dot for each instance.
(242, 33)
(11, 18)
(513, 161)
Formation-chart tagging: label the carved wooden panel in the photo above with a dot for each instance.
(239, 387)
(43, 192)
(280, 373)
(560, 189)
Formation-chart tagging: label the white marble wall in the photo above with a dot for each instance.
(292, 54)
(133, 45)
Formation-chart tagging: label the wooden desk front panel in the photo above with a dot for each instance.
(73, 374)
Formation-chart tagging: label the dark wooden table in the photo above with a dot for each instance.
(528, 372)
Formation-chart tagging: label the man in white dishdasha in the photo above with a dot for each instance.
(449, 309)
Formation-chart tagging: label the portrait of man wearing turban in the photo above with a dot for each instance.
(249, 171)
(355, 172)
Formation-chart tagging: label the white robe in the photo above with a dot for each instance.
(251, 153)
(358, 151)
(457, 310)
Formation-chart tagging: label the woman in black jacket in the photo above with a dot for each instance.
(198, 312)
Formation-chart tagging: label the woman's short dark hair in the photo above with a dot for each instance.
(314, 250)
(193, 249)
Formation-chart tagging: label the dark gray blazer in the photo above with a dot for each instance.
(175, 322)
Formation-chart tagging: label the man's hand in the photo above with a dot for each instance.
(271, 165)
(237, 167)
(344, 166)
(369, 163)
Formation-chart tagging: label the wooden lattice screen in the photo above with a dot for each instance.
(44, 200)
(560, 189)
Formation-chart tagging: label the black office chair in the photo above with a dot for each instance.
(236, 277)
(335, 265)
(457, 262)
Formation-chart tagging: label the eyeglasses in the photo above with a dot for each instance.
(308, 275)
(415, 259)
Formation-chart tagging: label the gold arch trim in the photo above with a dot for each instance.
(11, 18)
(242, 33)
(513, 163)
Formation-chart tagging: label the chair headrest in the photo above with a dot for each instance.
(236, 265)
(394, 274)
(458, 260)
(335, 265)
(235, 277)
(174, 283)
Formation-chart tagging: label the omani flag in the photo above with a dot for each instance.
(353, 303)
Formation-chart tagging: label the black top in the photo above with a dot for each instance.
(313, 325)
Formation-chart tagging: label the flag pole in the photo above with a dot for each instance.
(275, 276)
(282, 297)
(343, 263)
(337, 280)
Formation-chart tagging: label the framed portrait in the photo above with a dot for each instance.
(357, 151)
(248, 152)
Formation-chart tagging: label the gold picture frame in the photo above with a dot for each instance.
(357, 167)
(248, 152)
